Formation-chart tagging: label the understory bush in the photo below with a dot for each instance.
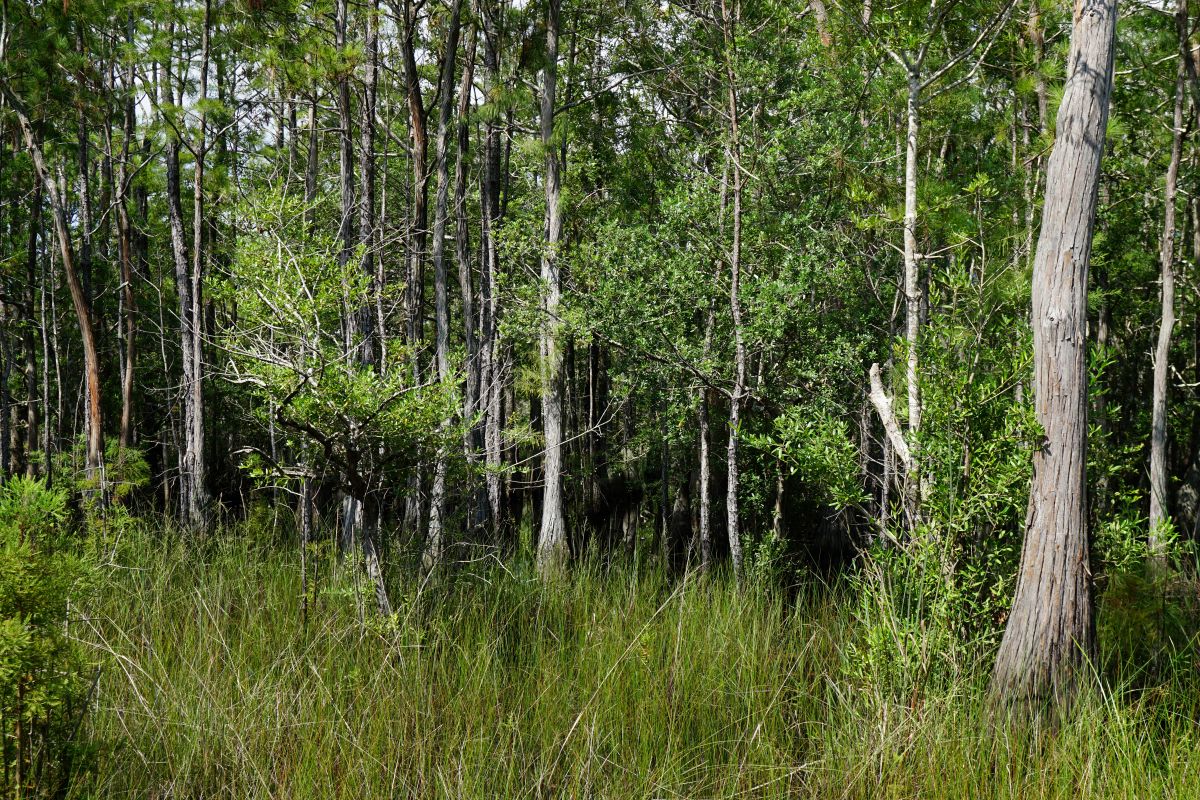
(44, 677)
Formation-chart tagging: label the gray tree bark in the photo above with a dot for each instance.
(1159, 506)
(1049, 635)
(125, 246)
(196, 511)
(434, 542)
(552, 542)
(95, 421)
(736, 396)
(490, 367)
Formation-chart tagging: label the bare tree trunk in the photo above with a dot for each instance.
(369, 533)
(414, 285)
(552, 542)
(735, 303)
(95, 419)
(490, 372)
(196, 512)
(28, 335)
(472, 385)
(434, 543)
(370, 346)
(821, 14)
(47, 327)
(125, 246)
(1162, 354)
(352, 512)
(183, 289)
(415, 277)
(912, 271)
(705, 461)
(1049, 635)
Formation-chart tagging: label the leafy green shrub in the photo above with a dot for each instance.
(43, 676)
(1146, 624)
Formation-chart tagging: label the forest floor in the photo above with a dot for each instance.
(218, 684)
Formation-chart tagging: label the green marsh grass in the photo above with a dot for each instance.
(606, 685)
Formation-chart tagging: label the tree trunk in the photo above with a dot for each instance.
(196, 510)
(434, 543)
(490, 372)
(414, 283)
(705, 460)
(414, 287)
(370, 349)
(735, 303)
(30, 326)
(472, 384)
(1049, 636)
(1162, 354)
(95, 419)
(552, 541)
(912, 272)
(125, 247)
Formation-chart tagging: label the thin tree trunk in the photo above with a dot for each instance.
(95, 419)
(370, 349)
(705, 461)
(196, 510)
(1049, 635)
(552, 542)
(28, 335)
(415, 270)
(310, 167)
(735, 303)
(352, 512)
(434, 543)
(490, 375)
(1159, 507)
(472, 384)
(125, 245)
(912, 272)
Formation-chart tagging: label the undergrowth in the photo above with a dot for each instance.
(616, 684)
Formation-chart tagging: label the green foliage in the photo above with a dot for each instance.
(817, 447)
(1148, 623)
(289, 349)
(43, 675)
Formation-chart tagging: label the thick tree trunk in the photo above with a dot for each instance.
(1049, 636)
(434, 542)
(552, 541)
(415, 278)
(1159, 507)
(369, 536)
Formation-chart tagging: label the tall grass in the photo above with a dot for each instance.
(609, 684)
